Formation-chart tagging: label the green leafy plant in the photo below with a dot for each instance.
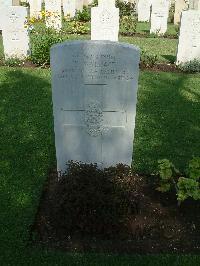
(77, 27)
(84, 15)
(41, 42)
(192, 66)
(185, 187)
(128, 24)
(99, 198)
(94, 3)
(148, 60)
(13, 62)
(126, 8)
(171, 13)
(24, 3)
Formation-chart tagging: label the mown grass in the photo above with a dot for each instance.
(144, 27)
(167, 125)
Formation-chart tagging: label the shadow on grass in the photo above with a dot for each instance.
(170, 58)
(167, 126)
(26, 148)
(168, 121)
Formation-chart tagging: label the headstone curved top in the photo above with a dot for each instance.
(94, 86)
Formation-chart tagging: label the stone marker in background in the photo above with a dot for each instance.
(159, 16)
(87, 2)
(79, 5)
(105, 21)
(35, 8)
(180, 5)
(15, 34)
(189, 38)
(94, 86)
(16, 2)
(4, 4)
(53, 14)
(144, 10)
(69, 8)
(194, 4)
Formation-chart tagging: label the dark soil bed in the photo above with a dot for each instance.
(148, 35)
(164, 67)
(113, 212)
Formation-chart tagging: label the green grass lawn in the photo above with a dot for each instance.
(144, 27)
(167, 126)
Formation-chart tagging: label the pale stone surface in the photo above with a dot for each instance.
(180, 6)
(110, 3)
(189, 38)
(16, 2)
(79, 5)
(105, 21)
(144, 10)
(69, 8)
(194, 4)
(87, 2)
(35, 8)
(159, 16)
(15, 35)
(94, 85)
(53, 14)
(3, 4)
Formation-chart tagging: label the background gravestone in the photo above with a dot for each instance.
(35, 8)
(189, 38)
(15, 35)
(4, 4)
(94, 101)
(69, 8)
(159, 16)
(144, 10)
(180, 6)
(194, 4)
(16, 2)
(79, 5)
(105, 21)
(53, 14)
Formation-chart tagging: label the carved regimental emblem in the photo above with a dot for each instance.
(93, 119)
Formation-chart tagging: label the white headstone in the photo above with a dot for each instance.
(79, 5)
(35, 8)
(105, 21)
(15, 34)
(144, 10)
(194, 4)
(94, 85)
(180, 6)
(159, 16)
(4, 4)
(189, 38)
(87, 2)
(53, 14)
(16, 2)
(69, 8)
(110, 3)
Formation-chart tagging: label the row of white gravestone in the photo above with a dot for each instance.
(157, 12)
(69, 6)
